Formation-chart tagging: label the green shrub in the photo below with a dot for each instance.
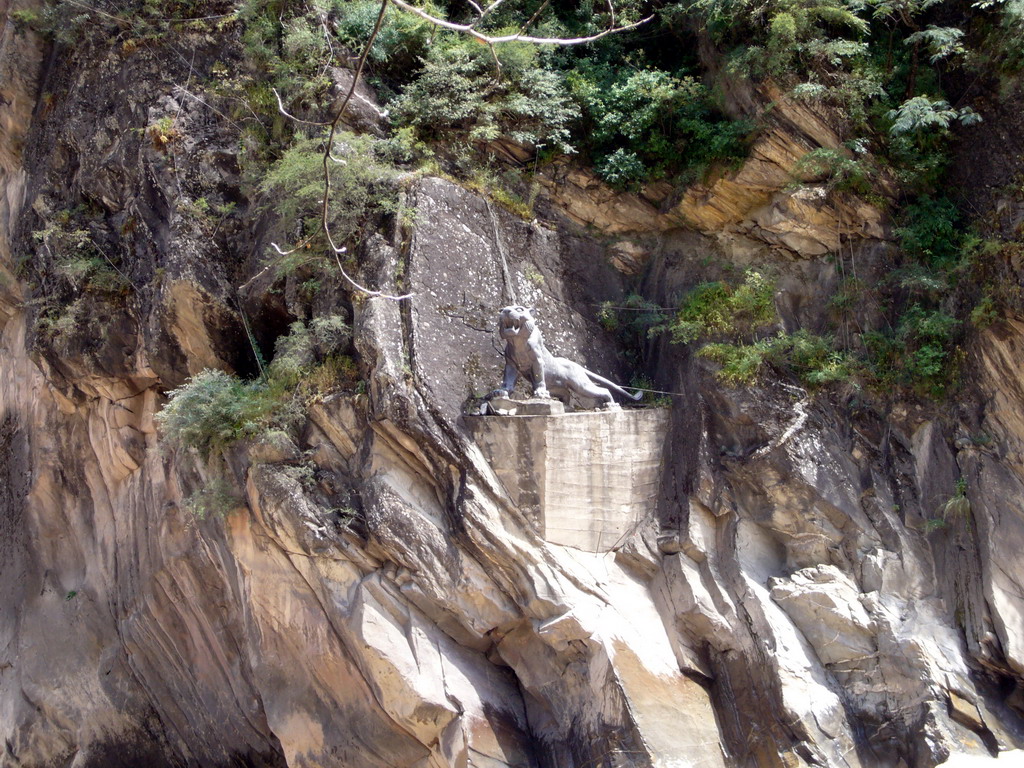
(839, 169)
(812, 359)
(927, 230)
(641, 124)
(720, 310)
(634, 315)
(731, 313)
(635, 320)
(400, 44)
(957, 506)
(920, 354)
(63, 322)
(304, 347)
(214, 410)
(741, 363)
(704, 311)
(922, 117)
(1000, 47)
(458, 97)
(77, 257)
(361, 185)
(940, 42)
(985, 312)
(783, 38)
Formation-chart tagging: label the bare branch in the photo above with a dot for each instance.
(490, 40)
(497, 62)
(283, 111)
(540, 10)
(357, 286)
(325, 224)
(302, 244)
(483, 14)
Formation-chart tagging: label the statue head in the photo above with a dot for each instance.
(513, 321)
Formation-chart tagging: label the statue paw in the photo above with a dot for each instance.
(501, 393)
(542, 392)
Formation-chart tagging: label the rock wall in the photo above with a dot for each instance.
(375, 598)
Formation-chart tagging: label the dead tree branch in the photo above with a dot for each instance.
(470, 29)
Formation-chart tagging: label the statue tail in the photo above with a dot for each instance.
(613, 385)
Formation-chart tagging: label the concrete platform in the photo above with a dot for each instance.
(585, 479)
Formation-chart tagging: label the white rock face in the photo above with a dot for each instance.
(590, 479)
(825, 605)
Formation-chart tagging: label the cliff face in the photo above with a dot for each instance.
(381, 595)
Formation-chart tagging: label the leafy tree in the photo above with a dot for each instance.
(642, 124)
(922, 115)
(941, 42)
(460, 97)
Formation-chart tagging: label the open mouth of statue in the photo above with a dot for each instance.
(511, 324)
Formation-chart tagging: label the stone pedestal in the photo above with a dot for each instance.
(535, 406)
(586, 479)
(540, 407)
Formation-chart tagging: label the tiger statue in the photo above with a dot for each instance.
(526, 356)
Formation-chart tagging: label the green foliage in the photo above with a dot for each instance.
(27, 18)
(635, 320)
(72, 22)
(641, 124)
(928, 231)
(920, 354)
(784, 37)
(459, 98)
(650, 398)
(848, 296)
(305, 346)
(955, 509)
(214, 410)
(401, 43)
(60, 323)
(486, 181)
(841, 170)
(731, 314)
(999, 48)
(941, 42)
(812, 359)
(720, 310)
(741, 363)
(334, 373)
(77, 257)
(921, 115)
(985, 312)
(361, 185)
(634, 315)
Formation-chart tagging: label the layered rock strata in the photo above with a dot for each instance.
(375, 597)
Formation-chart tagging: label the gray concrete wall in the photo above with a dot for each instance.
(586, 479)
